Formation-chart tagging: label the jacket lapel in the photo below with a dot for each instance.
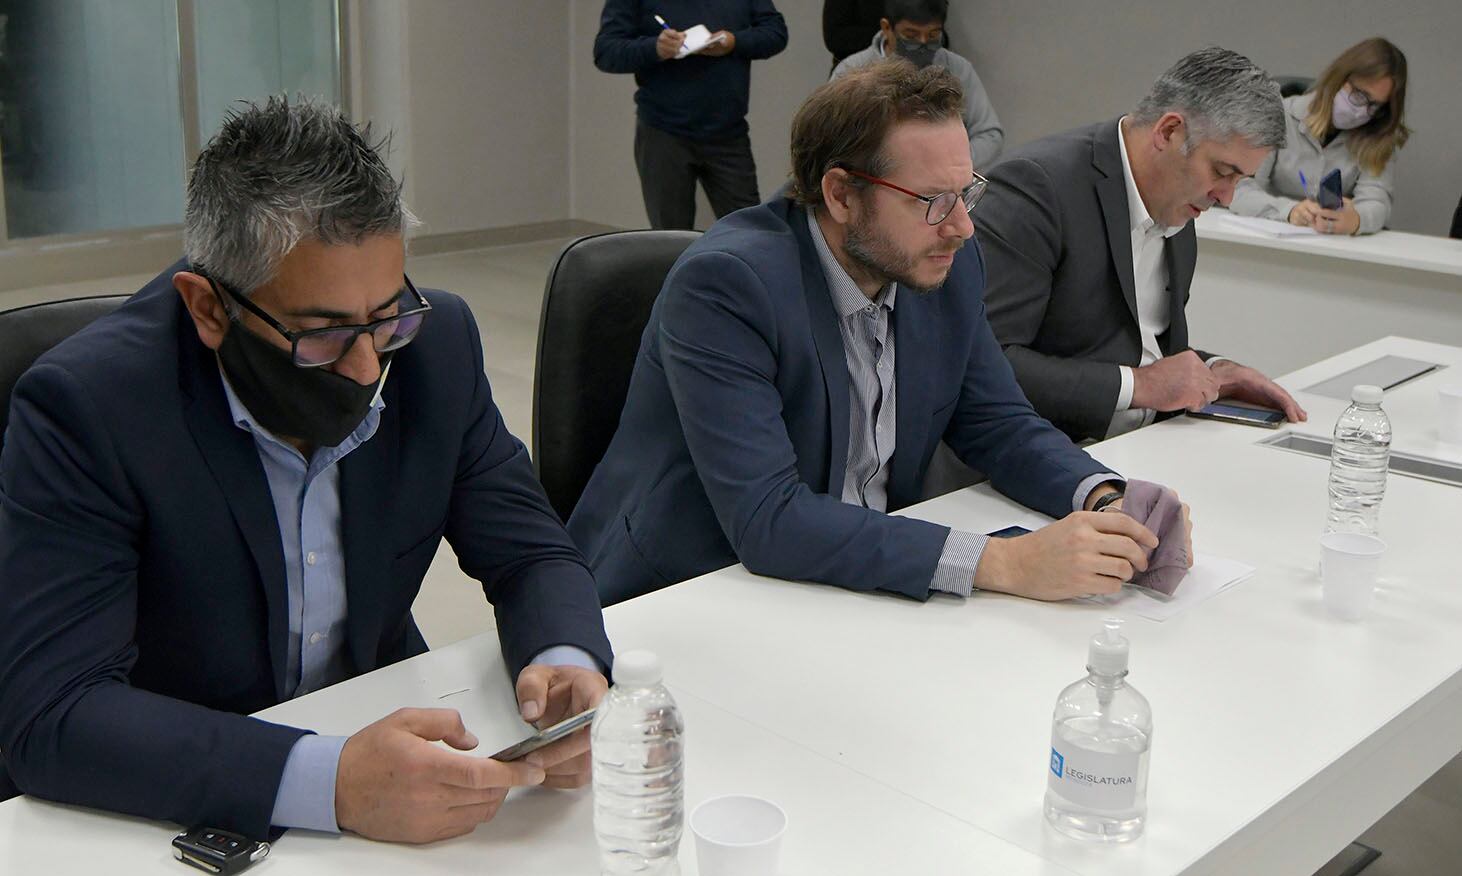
(1111, 188)
(829, 342)
(365, 504)
(232, 458)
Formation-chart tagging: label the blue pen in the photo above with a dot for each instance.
(1305, 183)
(663, 25)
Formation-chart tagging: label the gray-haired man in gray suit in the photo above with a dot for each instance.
(1089, 249)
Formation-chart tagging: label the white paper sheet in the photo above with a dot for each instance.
(1209, 577)
(1263, 227)
(696, 38)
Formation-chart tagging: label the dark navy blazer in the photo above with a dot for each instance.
(142, 583)
(734, 437)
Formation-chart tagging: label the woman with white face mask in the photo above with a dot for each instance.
(1351, 119)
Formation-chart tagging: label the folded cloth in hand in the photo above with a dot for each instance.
(1160, 510)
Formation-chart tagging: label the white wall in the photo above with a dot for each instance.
(1054, 64)
(476, 93)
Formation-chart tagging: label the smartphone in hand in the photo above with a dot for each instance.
(545, 737)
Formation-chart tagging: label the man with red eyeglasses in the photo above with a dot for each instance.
(806, 357)
(227, 493)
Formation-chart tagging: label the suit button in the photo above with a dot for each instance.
(315, 638)
(310, 558)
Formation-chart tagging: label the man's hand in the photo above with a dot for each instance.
(1085, 553)
(1174, 383)
(1303, 214)
(668, 44)
(725, 46)
(393, 784)
(1247, 385)
(549, 694)
(1346, 220)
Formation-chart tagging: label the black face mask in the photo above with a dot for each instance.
(920, 54)
(315, 405)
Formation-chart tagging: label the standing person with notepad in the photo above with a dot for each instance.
(692, 63)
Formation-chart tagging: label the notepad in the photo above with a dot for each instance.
(1263, 227)
(696, 39)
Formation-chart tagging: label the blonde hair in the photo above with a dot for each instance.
(1376, 141)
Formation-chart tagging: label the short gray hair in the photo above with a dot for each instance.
(1221, 94)
(279, 173)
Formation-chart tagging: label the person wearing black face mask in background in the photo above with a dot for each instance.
(226, 494)
(914, 30)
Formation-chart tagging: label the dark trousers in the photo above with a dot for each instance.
(670, 166)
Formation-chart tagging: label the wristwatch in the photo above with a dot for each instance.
(1108, 499)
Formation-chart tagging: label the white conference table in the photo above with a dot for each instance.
(1251, 293)
(912, 738)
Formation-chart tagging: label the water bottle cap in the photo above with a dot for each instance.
(1109, 649)
(1365, 394)
(637, 669)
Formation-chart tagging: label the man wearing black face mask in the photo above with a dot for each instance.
(914, 30)
(227, 493)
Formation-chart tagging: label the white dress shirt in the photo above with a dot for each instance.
(1150, 282)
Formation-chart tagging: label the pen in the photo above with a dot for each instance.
(663, 25)
(1303, 181)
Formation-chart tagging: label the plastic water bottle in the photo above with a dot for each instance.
(1358, 464)
(1096, 788)
(639, 771)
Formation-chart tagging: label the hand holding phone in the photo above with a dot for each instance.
(545, 737)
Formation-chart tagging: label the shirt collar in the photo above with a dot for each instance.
(1136, 210)
(243, 419)
(848, 299)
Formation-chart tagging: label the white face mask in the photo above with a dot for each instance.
(1345, 115)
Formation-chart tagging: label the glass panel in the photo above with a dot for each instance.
(91, 134)
(250, 49)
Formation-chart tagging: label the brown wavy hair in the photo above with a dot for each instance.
(844, 122)
(1376, 141)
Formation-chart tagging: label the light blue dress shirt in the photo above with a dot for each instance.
(872, 394)
(306, 496)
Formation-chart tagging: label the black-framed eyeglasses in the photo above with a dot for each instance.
(1359, 98)
(938, 206)
(314, 348)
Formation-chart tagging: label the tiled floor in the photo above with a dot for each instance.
(504, 286)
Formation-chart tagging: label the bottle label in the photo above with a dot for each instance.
(1095, 779)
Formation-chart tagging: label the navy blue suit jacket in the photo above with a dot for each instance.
(734, 437)
(142, 584)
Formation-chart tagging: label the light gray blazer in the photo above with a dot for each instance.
(1276, 188)
(983, 126)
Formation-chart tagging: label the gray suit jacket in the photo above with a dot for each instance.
(1055, 229)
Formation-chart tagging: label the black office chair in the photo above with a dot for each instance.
(27, 332)
(595, 306)
(1289, 86)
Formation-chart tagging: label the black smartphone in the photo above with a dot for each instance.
(1329, 195)
(1261, 417)
(1009, 532)
(545, 737)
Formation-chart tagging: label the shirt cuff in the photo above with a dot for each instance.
(1124, 394)
(1214, 360)
(568, 655)
(1084, 488)
(306, 796)
(956, 570)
